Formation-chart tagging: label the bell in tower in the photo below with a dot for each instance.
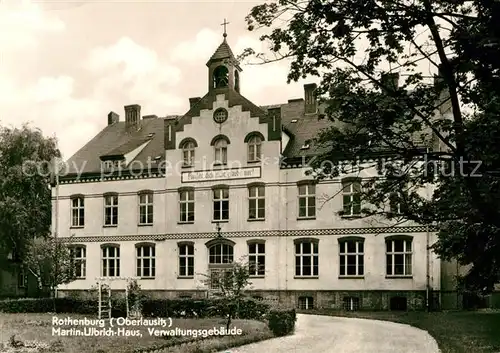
(223, 68)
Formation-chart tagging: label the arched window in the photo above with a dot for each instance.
(221, 77)
(399, 255)
(187, 147)
(351, 252)
(78, 255)
(254, 149)
(306, 257)
(220, 254)
(220, 149)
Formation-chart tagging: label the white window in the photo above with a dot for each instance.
(110, 261)
(306, 303)
(307, 201)
(111, 210)
(79, 259)
(352, 198)
(188, 153)
(146, 208)
(351, 303)
(256, 202)
(221, 204)
(351, 257)
(220, 254)
(399, 257)
(220, 148)
(257, 259)
(306, 259)
(186, 206)
(254, 149)
(145, 261)
(186, 260)
(77, 212)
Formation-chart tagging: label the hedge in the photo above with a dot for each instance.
(175, 308)
(281, 321)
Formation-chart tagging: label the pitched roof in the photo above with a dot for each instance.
(116, 139)
(222, 52)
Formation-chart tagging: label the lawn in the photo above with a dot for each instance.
(455, 331)
(38, 327)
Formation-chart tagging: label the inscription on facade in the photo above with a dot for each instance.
(226, 174)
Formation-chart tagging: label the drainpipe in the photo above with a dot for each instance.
(427, 252)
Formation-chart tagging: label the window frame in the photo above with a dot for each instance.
(186, 201)
(107, 259)
(407, 256)
(80, 210)
(254, 149)
(258, 269)
(111, 207)
(345, 253)
(220, 147)
(220, 201)
(254, 200)
(140, 259)
(312, 255)
(309, 197)
(146, 205)
(352, 194)
(188, 149)
(79, 261)
(184, 270)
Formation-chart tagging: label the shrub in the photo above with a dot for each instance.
(281, 321)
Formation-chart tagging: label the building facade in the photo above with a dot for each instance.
(174, 200)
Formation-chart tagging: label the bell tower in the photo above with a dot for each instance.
(223, 68)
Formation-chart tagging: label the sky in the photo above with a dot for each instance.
(64, 65)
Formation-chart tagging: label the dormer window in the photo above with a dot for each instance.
(221, 77)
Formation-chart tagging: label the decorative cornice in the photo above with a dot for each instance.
(254, 234)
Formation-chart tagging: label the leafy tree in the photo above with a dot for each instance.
(25, 195)
(435, 122)
(229, 287)
(51, 262)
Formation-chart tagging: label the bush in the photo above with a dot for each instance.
(281, 321)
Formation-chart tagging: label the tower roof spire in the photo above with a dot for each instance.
(224, 24)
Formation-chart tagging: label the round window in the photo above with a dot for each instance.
(220, 115)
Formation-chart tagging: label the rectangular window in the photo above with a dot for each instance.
(77, 212)
(399, 257)
(352, 198)
(351, 258)
(307, 201)
(146, 209)
(256, 202)
(257, 259)
(186, 260)
(351, 304)
(306, 303)
(221, 204)
(79, 258)
(111, 210)
(186, 206)
(110, 261)
(145, 261)
(306, 259)
(22, 278)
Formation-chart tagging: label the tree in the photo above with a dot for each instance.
(229, 286)
(51, 262)
(359, 49)
(25, 195)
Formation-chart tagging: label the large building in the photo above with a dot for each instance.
(173, 199)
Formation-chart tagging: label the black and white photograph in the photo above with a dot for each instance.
(236, 176)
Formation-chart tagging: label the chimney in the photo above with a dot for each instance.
(113, 118)
(390, 80)
(193, 101)
(310, 98)
(132, 116)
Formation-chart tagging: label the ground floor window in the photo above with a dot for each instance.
(351, 303)
(306, 303)
(399, 304)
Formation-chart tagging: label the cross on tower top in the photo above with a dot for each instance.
(224, 24)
